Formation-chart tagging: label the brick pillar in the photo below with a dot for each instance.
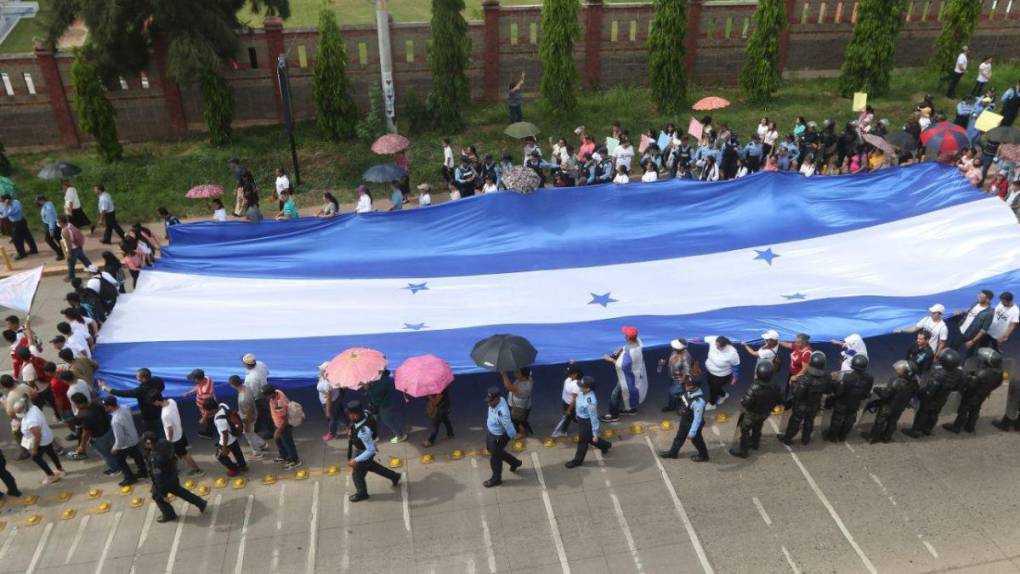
(593, 44)
(694, 8)
(171, 91)
(274, 46)
(490, 51)
(784, 38)
(58, 97)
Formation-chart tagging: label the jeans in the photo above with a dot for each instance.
(238, 463)
(159, 493)
(103, 445)
(52, 237)
(76, 254)
(498, 455)
(122, 462)
(285, 444)
(111, 225)
(361, 469)
(256, 442)
(616, 402)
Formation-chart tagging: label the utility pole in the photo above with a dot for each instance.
(382, 24)
(288, 113)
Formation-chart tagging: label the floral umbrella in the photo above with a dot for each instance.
(521, 179)
(355, 368)
(390, 144)
(423, 376)
(204, 191)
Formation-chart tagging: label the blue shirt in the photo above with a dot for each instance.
(752, 150)
(964, 109)
(696, 402)
(398, 200)
(587, 407)
(48, 214)
(365, 436)
(13, 211)
(498, 422)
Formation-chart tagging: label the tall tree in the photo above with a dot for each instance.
(870, 57)
(666, 55)
(337, 114)
(200, 35)
(217, 107)
(448, 57)
(761, 76)
(96, 115)
(959, 18)
(560, 29)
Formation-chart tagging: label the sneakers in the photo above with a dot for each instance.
(557, 434)
(398, 439)
(77, 456)
(127, 482)
(279, 459)
(328, 436)
(111, 472)
(608, 418)
(710, 407)
(629, 412)
(196, 472)
(722, 399)
(293, 465)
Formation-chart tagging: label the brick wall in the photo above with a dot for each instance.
(612, 52)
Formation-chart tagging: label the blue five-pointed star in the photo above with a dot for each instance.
(415, 326)
(767, 256)
(603, 299)
(415, 287)
(798, 296)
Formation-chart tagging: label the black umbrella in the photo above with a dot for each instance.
(1003, 134)
(902, 140)
(59, 170)
(384, 173)
(504, 353)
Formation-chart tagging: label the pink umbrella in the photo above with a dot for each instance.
(711, 103)
(390, 144)
(355, 367)
(423, 376)
(205, 191)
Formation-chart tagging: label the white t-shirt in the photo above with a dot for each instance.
(222, 426)
(621, 178)
(489, 188)
(282, 184)
(570, 390)
(807, 170)
(325, 389)
(220, 214)
(763, 130)
(425, 199)
(971, 313)
(78, 344)
(939, 331)
(770, 138)
(34, 418)
(766, 354)
(650, 176)
(961, 64)
(71, 200)
(624, 155)
(364, 204)
(78, 387)
(984, 72)
(721, 362)
(171, 417)
(448, 157)
(79, 330)
(1003, 317)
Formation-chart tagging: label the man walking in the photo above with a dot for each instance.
(958, 71)
(109, 216)
(361, 454)
(758, 403)
(587, 408)
(173, 429)
(228, 428)
(279, 408)
(145, 393)
(256, 378)
(51, 230)
(692, 420)
(74, 239)
(125, 441)
(161, 465)
(20, 234)
(500, 429)
(246, 409)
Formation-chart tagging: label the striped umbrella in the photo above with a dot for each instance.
(944, 138)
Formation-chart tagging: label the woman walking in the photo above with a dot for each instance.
(37, 439)
(437, 407)
(519, 400)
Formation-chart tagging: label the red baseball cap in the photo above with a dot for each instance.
(630, 332)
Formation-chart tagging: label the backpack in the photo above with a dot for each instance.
(295, 414)
(234, 421)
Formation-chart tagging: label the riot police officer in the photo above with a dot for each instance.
(979, 384)
(892, 400)
(587, 411)
(807, 400)
(758, 403)
(946, 377)
(692, 421)
(851, 388)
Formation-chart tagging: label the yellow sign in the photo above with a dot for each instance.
(860, 101)
(987, 120)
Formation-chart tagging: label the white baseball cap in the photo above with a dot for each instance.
(770, 335)
(937, 308)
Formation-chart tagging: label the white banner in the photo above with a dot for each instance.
(18, 290)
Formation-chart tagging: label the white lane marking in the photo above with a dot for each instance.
(557, 539)
(313, 536)
(37, 555)
(239, 564)
(628, 536)
(406, 502)
(345, 560)
(789, 560)
(681, 512)
(931, 549)
(109, 542)
(7, 543)
(846, 444)
(877, 481)
(761, 510)
(275, 565)
(210, 533)
(77, 538)
(828, 506)
(715, 430)
(490, 554)
(149, 514)
(177, 540)
(471, 565)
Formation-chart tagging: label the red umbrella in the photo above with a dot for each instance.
(711, 103)
(390, 144)
(944, 138)
(204, 191)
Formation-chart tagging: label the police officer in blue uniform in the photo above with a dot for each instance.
(587, 413)
(692, 421)
(499, 430)
(361, 452)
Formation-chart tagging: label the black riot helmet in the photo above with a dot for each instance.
(909, 368)
(990, 358)
(764, 371)
(817, 361)
(859, 363)
(949, 359)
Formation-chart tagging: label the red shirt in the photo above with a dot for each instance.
(60, 393)
(799, 359)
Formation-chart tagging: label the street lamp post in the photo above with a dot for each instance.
(382, 24)
(288, 113)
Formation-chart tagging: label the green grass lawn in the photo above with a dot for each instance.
(156, 174)
(22, 37)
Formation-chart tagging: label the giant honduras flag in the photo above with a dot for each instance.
(566, 268)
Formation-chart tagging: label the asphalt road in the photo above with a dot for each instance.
(945, 503)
